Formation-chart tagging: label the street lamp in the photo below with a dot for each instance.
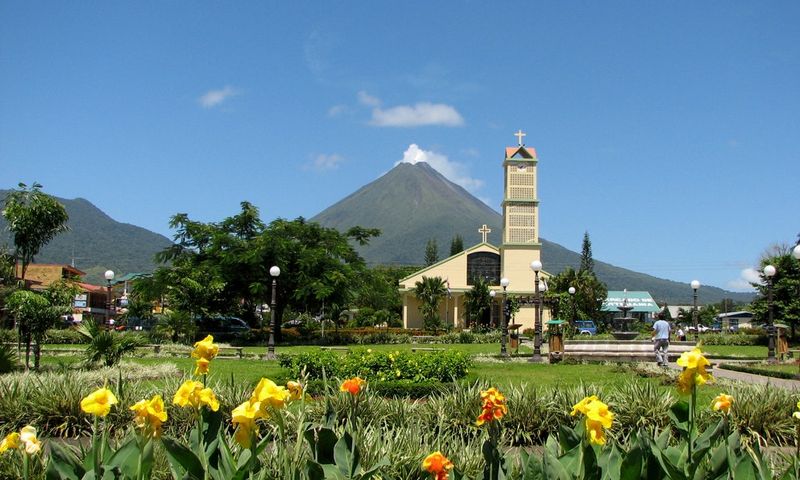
(274, 273)
(695, 286)
(492, 294)
(769, 272)
(536, 266)
(796, 251)
(504, 325)
(109, 276)
(572, 291)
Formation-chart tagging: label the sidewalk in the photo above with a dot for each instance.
(750, 378)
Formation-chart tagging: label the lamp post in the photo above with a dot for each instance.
(769, 272)
(274, 272)
(695, 286)
(506, 311)
(492, 294)
(109, 276)
(536, 266)
(572, 291)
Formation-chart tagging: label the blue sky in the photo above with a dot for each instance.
(668, 130)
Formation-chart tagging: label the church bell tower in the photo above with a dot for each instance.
(520, 215)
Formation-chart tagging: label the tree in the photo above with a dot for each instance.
(456, 245)
(431, 252)
(587, 262)
(785, 288)
(36, 312)
(34, 218)
(106, 345)
(477, 301)
(224, 267)
(590, 293)
(430, 291)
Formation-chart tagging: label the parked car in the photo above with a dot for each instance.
(701, 328)
(222, 324)
(585, 327)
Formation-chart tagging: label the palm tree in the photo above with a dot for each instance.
(477, 301)
(106, 345)
(430, 291)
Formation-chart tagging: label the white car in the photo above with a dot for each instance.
(701, 328)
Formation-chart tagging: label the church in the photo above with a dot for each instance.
(512, 260)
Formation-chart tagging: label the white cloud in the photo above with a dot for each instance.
(337, 110)
(746, 277)
(453, 171)
(212, 98)
(365, 98)
(421, 114)
(324, 162)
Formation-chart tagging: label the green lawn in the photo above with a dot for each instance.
(746, 351)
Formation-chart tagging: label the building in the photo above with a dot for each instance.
(512, 259)
(639, 304)
(732, 321)
(92, 301)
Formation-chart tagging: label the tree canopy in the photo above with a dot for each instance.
(590, 293)
(785, 288)
(223, 267)
(34, 218)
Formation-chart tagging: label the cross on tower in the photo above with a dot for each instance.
(519, 136)
(485, 231)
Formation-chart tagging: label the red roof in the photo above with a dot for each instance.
(90, 288)
(527, 151)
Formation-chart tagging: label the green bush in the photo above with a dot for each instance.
(62, 337)
(8, 358)
(443, 366)
(759, 371)
(737, 339)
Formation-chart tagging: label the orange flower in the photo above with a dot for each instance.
(352, 385)
(493, 408)
(722, 403)
(438, 465)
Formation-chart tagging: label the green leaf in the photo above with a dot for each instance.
(346, 456)
(374, 470)
(631, 467)
(531, 467)
(126, 458)
(63, 464)
(553, 470)
(679, 414)
(568, 438)
(182, 459)
(322, 442)
(314, 470)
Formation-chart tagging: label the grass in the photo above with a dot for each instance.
(744, 351)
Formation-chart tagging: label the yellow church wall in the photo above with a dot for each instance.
(516, 267)
(449, 311)
(453, 269)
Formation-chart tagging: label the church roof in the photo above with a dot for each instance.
(448, 259)
(525, 152)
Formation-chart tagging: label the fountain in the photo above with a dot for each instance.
(622, 324)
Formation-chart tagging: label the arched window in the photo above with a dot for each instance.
(484, 265)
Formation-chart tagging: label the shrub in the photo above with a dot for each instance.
(63, 336)
(441, 366)
(737, 339)
(8, 358)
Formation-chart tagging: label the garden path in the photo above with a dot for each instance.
(751, 378)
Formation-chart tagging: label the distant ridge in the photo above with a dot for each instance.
(414, 203)
(96, 242)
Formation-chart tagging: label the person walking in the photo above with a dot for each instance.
(681, 334)
(661, 340)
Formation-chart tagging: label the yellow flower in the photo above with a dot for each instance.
(598, 418)
(438, 465)
(295, 390)
(580, 407)
(352, 385)
(201, 367)
(28, 437)
(205, 348)
(797, 414)
(244, 417)
(149, 415)
(598, 411)
(694, 373)
(99, 402)
(243, 436)
(268, 393)
(11, 442)
(192, 394)
(596, 434)
(722, 403)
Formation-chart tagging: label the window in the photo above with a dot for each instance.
(484, 265)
